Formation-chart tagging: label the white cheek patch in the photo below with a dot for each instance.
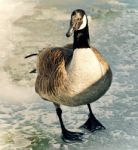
(84, 23)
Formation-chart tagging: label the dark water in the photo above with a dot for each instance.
(29, 123)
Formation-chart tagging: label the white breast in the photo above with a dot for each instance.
(84, 70)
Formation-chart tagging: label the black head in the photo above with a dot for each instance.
(78, 21)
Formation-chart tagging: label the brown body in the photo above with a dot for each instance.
(61, 80)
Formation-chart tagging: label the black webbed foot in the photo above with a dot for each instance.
(92, 124)
(71, 136)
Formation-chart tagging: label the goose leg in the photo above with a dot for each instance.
(92, 124)
(66, 134)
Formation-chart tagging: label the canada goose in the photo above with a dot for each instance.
(73, 75)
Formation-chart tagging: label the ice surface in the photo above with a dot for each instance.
(29, 123)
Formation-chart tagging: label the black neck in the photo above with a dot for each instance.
(81, 38)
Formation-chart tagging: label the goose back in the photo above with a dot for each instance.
(52, 77)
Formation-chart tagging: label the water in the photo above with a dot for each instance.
(29, 123)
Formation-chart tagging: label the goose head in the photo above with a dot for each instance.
(78, 21)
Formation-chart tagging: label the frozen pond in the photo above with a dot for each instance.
(29, 123)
